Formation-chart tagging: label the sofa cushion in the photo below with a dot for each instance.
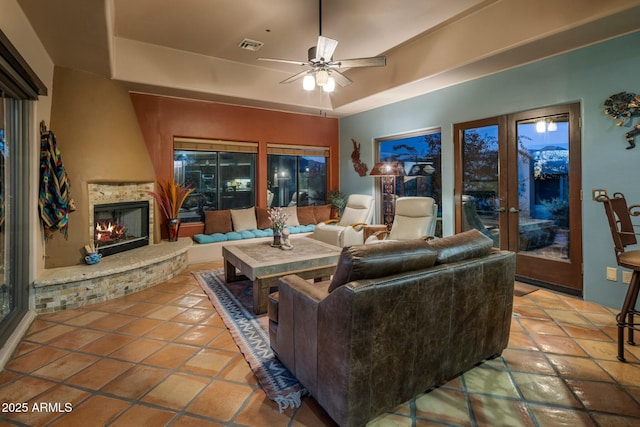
(465, 245)
(263, 233)
(292, 214)
(262, 218)
(217, 222)
(322, 213)
(248, 234)
(306, 215)
(210, 238)
(371, 261)
(232, 235)
(244, 219)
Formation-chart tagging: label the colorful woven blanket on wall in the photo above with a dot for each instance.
(54, 200)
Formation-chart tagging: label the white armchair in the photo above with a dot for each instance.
(348, 230)
(415, 218)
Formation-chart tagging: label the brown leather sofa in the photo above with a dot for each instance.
(397, 319)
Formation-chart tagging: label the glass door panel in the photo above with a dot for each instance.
(480, 167)
(6, 291)
(480, 185)
(546, 224)
(543, 189)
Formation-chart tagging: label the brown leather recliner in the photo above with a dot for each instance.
(396, 320)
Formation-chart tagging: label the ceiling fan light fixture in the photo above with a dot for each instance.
(321, 65)
(309, 82)
(322, 77)
(330, 86)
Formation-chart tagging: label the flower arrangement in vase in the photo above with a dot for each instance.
(170, 198)
(278, 218)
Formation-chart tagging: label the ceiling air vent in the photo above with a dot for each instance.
(249, 44)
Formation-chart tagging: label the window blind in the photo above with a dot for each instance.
(197, 144)
(297, 150)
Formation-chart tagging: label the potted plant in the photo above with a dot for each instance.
(170, 198)
(338, 200)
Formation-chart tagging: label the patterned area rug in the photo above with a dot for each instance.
(250, 333)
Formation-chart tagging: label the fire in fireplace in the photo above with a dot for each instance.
(120, 227)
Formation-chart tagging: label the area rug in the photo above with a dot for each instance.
(250, 333)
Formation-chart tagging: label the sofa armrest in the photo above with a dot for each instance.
(358, 225)
(331, 221)
(296, 343)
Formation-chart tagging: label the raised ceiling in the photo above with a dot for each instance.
(189, 48)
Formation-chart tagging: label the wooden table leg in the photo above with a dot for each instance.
(261, 287)
(229, 272)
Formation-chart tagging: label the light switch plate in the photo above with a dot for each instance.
(612, 274)
(597, 192)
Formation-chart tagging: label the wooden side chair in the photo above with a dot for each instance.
(624, 234)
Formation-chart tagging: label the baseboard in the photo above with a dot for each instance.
(550, 286)
(12, 343)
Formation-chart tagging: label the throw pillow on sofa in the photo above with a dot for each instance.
(217, 222)
(244, 219)
(370, 261)
(262, 217)
(305, 215)
(322, 213)
(292, 220)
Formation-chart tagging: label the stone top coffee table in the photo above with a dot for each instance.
(264, 264)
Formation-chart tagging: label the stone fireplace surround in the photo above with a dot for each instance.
(104, 193)
(116, 275)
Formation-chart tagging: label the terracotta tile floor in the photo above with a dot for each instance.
(164, 357)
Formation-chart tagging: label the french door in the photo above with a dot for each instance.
(518, 182)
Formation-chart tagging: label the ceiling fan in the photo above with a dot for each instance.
(323, 69)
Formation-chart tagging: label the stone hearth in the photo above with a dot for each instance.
(114, 276)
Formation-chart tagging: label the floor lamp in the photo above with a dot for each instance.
(388, 171)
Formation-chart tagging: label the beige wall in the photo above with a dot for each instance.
(100, 141)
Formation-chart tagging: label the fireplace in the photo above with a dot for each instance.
(120, 226)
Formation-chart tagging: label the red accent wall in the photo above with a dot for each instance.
(161, 119)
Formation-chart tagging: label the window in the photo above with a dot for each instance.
(222, 173)
(297, 175)
(420, 155)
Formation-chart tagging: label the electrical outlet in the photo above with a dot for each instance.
(612, 274)
(597, 192)
(626, 276)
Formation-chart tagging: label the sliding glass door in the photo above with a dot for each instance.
(14, 213)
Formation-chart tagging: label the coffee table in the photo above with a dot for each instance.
(264, 264)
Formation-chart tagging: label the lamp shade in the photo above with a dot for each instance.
(309, 82)
(322, 77)
(330, 86)
(387, 169)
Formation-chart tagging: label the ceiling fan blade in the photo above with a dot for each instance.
(376, 61)
(295, 77)
(325, 48)
(340, 78)
(285, 61)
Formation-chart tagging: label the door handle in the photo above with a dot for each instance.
(502, 209)
(513, 210)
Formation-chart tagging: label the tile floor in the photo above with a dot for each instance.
(163, 357)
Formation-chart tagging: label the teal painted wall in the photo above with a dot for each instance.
(588, 76)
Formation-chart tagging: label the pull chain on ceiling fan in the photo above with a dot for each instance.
(324, 70)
